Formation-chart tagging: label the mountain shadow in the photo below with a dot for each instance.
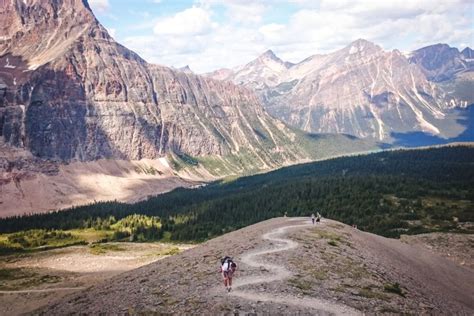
(416, 139)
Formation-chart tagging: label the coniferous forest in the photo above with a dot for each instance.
(387, 193)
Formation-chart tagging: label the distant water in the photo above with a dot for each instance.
(417, 139)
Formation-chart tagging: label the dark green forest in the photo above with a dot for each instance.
(387, 193)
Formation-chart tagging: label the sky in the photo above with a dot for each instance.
(212, 34)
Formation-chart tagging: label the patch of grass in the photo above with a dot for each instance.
(13, 278)
(301, 284)
(341, 288)
(357, 272)
(38, 239)
(99, 249)
(18, 278)
(91, 235)
(394, 288)
(368, 293)
(333, 243)
(11, 274)
(336, 225)
(328, 235)
(149, 170)
(7, 249)
(47, 278)
(170, 251)
(319, 274)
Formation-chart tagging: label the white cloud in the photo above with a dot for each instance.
(99, 5)
(331, 24)
(214, 34)
(190, 22)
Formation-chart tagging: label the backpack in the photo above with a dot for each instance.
(229, 260)
(226, 259)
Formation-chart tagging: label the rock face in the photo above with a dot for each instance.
(441, 62)
(75, 104)
(265, 71)
(360, 90)
(70, 92)
(468, 53)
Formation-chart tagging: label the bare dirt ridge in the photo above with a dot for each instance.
(280, 273)
(287, 267)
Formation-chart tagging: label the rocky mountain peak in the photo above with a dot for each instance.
(69, 92)
(440, 62)
(361, 90)
(186, 69)
(362, 46)
(269, 57)
(40, 31)
(269, 54)
(468, 53)
(30, 14)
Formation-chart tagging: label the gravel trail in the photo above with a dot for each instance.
(278, 272)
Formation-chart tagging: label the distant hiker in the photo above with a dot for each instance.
(286, 214)
(318, 217)
(312, 218)
(228, 268)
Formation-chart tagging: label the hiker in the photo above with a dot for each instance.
(318, 217)
(312, 218)
(228, 268)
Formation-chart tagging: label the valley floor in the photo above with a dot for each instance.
(32, 280)
(40, 186)
(287, 268)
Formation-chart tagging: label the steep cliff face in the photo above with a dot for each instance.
(70, 92)
(71, 96)
(360, 90)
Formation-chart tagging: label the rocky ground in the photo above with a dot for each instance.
(29, 281)
(322, 269)
(455, 247)
(32, 185)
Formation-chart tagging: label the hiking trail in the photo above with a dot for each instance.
(278, 273)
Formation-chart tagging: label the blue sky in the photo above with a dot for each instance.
(212, 34)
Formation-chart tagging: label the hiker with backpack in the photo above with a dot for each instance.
(228, 268)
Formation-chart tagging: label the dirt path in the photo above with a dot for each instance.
(286, 267)
(278, 273)
(44, 290)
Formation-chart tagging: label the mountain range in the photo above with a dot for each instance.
(69, 93)
(365, 91)
(70, 96)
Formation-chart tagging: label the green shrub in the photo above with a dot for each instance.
(394, 288)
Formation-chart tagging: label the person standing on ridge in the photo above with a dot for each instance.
(312, 218)
(318, 217)
(228, 268)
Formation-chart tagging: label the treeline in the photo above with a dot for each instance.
(387, 193)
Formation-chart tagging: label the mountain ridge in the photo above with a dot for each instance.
(299, 287)
(69, 93)
(360, 90)
(167, 111)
